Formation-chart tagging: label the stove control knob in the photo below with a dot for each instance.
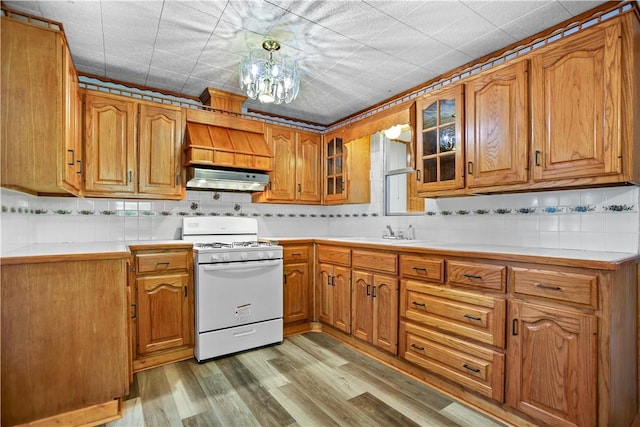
(260, 255)
(244, 255)
(226, 256)
(215, 257)
(270, 254)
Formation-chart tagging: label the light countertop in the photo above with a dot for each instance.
(77, 250)
(480, 249)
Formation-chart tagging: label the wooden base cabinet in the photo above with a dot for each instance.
(552, 369)
(375, 309)
(64, 339)
(333, 287)
(163, 306)
(297, 283)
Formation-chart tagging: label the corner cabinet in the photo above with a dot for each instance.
(347, 167)
(440, 140)
(296, 175)
(40, 127)
(133, 148)
(163, 306)
(576, 94)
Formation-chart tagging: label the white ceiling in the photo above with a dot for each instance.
(352, 54)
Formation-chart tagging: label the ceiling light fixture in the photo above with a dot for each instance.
(269, 77)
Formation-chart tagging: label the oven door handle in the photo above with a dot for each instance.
(244, 266)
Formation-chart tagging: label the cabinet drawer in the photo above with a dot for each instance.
(375, 261)
(295, 253)
(334, 255)
(422, 267)
(557, 285)
(478, 275)
(178, 260)
(477, 368)
(475, 316)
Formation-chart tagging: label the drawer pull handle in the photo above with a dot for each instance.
(465, 366)
(296, 254)
(473, 317)
(549, 287)
(420, 269)
(419, 304)
(368, 290)
(163, 263)
(417, 347)
(472, 276)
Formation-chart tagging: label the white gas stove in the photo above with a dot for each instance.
(238, 285)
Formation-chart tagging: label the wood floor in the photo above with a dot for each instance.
(309, 380)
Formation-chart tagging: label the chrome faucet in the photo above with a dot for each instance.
(391, 233)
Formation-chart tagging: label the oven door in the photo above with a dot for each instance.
(237, 293)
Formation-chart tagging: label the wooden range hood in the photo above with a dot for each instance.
(217, 139)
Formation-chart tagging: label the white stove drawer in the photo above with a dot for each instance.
(232, 340)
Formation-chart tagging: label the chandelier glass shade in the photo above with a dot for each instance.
(268, 77)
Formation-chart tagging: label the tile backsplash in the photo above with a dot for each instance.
(591, 219)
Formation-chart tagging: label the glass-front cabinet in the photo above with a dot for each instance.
(334, 170)
(440, 141)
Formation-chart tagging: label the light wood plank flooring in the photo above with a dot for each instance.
(309, 380)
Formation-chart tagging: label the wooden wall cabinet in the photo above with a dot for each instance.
(333, 287)
(133, 148)
(347, 166)
(298, 286)
(163, 305)
(40, 126)
(296, 175)
(497, 125)
(440, 140)
(64, 339)
(576, 97)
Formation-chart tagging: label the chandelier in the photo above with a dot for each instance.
(269, 77)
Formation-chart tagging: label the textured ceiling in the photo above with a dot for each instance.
(352, 54)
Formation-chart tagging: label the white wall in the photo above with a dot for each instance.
(593, 219)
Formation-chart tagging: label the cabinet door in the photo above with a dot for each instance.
(73, 168)
(342, 299)
(282, 184)
(575, 91)
(335, 189)
(163, 312)
(308, 167)
(552, 359)
(296, 292)
(497, 110)
(110, 164)
(325, 294)
(160, 150)
(385, 313)
(439, 141)
(362, 305)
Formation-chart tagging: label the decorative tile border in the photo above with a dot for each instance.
(236, 210)
(548, 210)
